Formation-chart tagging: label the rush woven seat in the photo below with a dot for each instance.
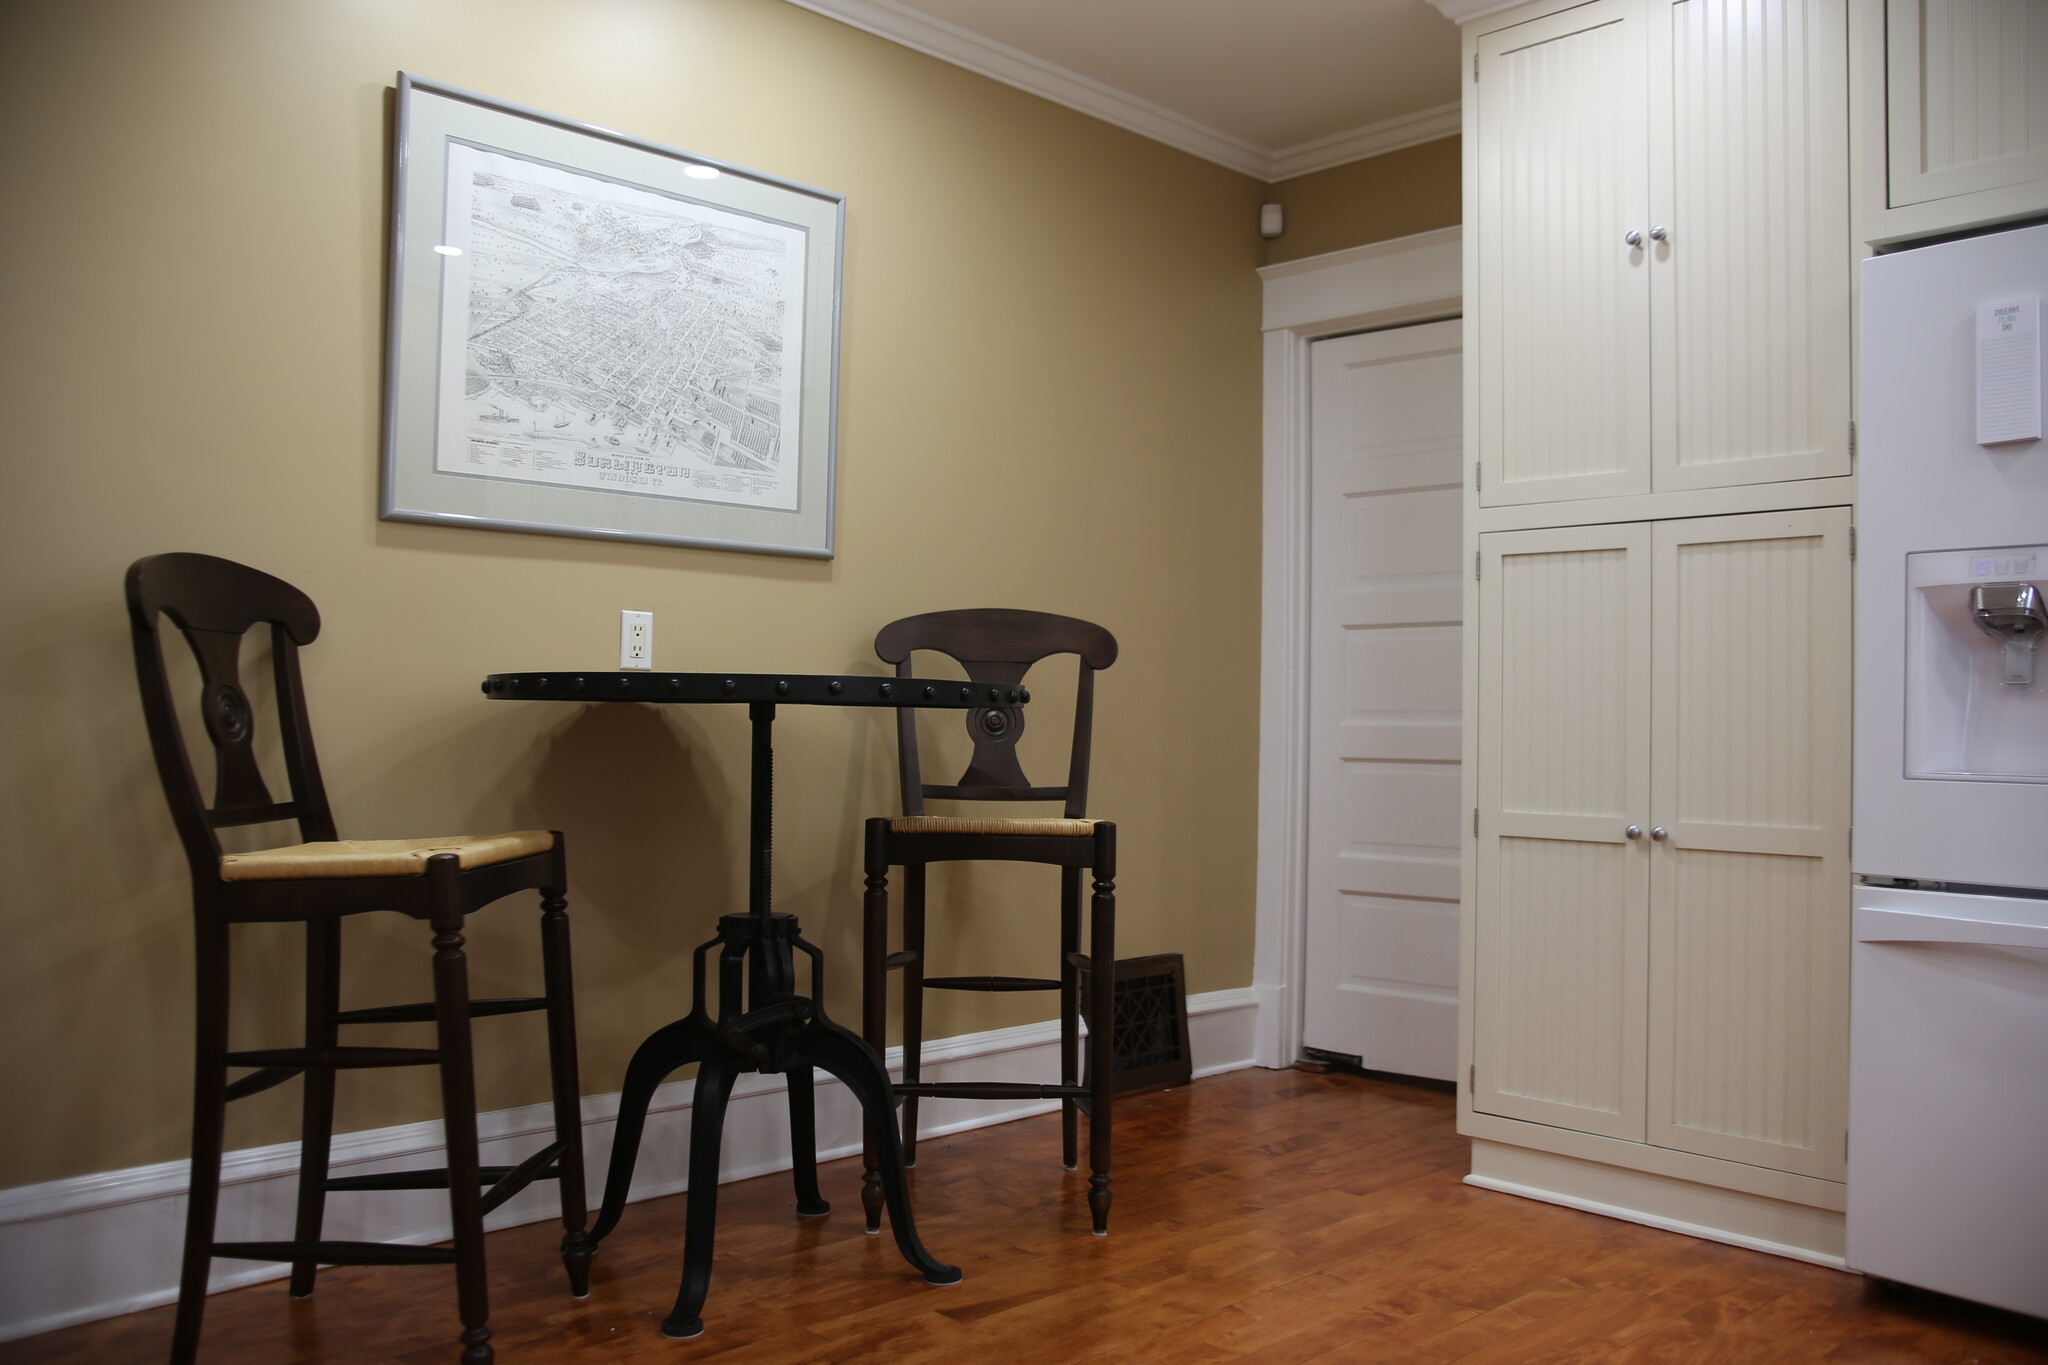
(998, 645)
(380, 857)
(952, 824)
(319, 882)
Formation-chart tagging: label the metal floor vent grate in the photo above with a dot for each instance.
(1150, 1029)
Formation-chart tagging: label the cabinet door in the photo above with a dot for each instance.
(1561, 894)
(1749, 926)
(1750, 255)
(1563, 345)
(1966, 92)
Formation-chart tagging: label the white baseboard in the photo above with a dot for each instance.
(95, 1246)
(1797, 1231)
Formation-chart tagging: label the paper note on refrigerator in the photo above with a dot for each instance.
(2009, 371)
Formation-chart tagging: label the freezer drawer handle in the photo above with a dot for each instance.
(1901, 926)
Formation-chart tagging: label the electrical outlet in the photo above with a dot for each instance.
(636, 639)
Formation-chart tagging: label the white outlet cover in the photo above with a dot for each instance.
(636, 639)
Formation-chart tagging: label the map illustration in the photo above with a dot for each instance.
(602, 335)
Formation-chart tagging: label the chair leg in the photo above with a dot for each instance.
(316, 1124)
(1070, 1010)
(913, 1002)
(565, 1085)
(209, 1118)
(874, 998)
(458, 1115)
(1101, 1035)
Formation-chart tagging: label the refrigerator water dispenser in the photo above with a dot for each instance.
(1976, 695)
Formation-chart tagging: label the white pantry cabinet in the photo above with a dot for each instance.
(1955, 96)
(1661, 898)
(1661, 244)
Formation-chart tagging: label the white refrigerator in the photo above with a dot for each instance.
(1948, 1095)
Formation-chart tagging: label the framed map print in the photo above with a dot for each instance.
(595, 335)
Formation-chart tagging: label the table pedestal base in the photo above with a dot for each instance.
(783, 1033)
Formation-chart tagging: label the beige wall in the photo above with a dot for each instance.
(1049, 399)
(1398, 194)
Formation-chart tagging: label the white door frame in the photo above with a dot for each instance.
(1385, 284)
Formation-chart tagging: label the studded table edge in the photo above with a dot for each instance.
(797, 689)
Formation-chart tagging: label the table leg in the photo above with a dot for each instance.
(715, 1077)
(842, 1053)
(803, 1144)
(689, 1039)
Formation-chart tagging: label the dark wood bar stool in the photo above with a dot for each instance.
(215, 603)
(998, 645)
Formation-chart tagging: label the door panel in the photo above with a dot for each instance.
(1749, 926)
(1385, 489)
(1561, 899)
(1750, 285)
(1563, 346)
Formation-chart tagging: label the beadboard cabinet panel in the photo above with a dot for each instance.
(1661, 870)
(1968, 84)
(1661, 249)
(1562, 355)
(1750, 268)
(1561, 949)
(1749, 922)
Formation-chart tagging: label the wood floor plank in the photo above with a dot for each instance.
(1279, 1217)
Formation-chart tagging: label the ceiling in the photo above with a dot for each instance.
(1274, 89)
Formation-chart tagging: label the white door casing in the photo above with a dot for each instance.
(1383, 846)
(1385, 284)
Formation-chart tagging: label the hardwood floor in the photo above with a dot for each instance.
(1275, 1217)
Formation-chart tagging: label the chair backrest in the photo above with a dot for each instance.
(997, 645)
(214, 603)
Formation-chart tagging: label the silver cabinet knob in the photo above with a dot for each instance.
(1632, 237)
(1660, 834)
(1634, 831)
(1657, 233)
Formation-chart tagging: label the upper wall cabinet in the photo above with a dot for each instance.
(1963, 86)
(1662, 244)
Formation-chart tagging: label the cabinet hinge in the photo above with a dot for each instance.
(1475, 68)
(1472, 1079)
(1475, 822)
(1852, 542)
(1852, 440)
(1477, 470)
(1852, 841)
(1475, 566)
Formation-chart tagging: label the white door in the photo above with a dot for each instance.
(1385, 489)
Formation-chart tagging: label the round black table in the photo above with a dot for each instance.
(761, 1023)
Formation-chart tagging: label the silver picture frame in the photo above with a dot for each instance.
(591, 334)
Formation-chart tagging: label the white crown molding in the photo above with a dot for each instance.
(1375, 139)
(1464, 11)
(999, 61)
